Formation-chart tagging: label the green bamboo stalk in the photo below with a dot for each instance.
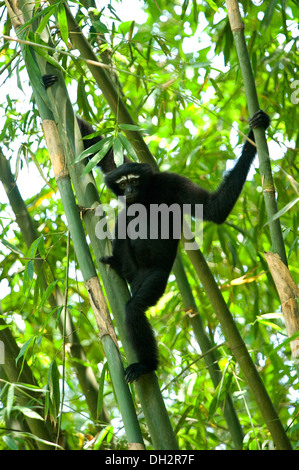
(88, 271)
(237, 27)
(148, 390)
(18, 17)
(210, 357)
(239, 350)
(119, 109)
(278, 247)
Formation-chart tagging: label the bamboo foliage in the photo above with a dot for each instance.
(235, 341)
(85, 374)
(93, 286)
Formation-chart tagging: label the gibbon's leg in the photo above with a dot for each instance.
(139, 330)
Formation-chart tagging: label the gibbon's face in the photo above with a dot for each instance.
(129, 186)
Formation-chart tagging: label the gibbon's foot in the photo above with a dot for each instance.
(134, 371)
(259, 119)
(49, 80)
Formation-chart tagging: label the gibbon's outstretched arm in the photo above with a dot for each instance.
(221, 202)
(218, 205)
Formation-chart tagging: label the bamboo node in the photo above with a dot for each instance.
(55, 148)
(269, 190)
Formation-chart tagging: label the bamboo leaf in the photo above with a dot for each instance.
(221, 392)
(24, 349)
(269, 13)
(100, 27)
(101, 389)
(118, 151)
(48, 58)
(54, 391)
(11, 247)
(128, 146)
(29, 413)
(63, 25)
(47, 12)
(99, 155)
(283, 210)
(130, 127)
(10, 399)
(96, 148)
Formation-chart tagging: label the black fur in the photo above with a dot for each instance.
(146, 262)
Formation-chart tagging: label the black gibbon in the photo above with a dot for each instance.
(145, 262)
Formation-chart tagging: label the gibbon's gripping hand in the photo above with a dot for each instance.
(49, 80)
(112, 262)
(107, 259)
(259, 119)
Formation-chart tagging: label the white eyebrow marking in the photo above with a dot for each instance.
(132, 176)
(122, 178)
(127, 177)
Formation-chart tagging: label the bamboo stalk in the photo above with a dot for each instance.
(19, 14)
(93, 286)
(237, 27)
(281, 276)
(239, 350)
(288, 293)
(210, 357)
(119, 109)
